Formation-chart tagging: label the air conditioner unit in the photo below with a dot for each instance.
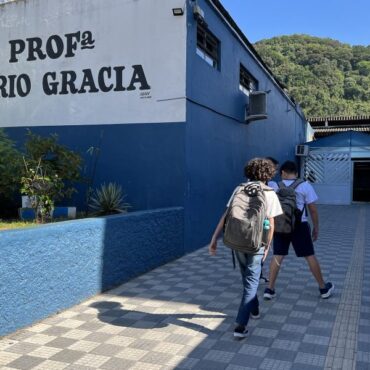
(256, 109)
(301, 150)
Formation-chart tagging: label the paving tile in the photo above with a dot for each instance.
(45, 352)
(8, 357)
(310, 359)
(219, 356)
(210, 365)
(181, 316)
(187, 363)
(246, 360)
(298, 366)
(61, 342)
(67, 355)
(92, 360)
(272, 364)
(364, 356)
(22, 347)
(281, 354)
(25, 362)
(289, 345)
(56, 331)
(115, 363)
(83, 346)
(158, 358)
(316, 339)
(51, 365)
(254, 350)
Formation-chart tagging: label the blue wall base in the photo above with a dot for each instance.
(51, 267)
(28, 214)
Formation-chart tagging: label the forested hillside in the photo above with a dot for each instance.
(324, 76)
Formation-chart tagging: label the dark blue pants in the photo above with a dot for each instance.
(250, 268)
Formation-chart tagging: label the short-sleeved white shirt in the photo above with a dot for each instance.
(273, 207)
(305, 194)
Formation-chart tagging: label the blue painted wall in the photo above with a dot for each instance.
(146, 159)
(197, 163)
(217, 143)
(52, 267)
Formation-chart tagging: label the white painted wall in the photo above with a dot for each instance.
(125, 33)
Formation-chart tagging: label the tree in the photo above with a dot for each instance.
(325, 76)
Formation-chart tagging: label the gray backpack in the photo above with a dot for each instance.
(243, 227)
(286, 222)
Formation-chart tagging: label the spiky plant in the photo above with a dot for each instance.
(108, 200)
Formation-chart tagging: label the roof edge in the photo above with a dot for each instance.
(217, 4)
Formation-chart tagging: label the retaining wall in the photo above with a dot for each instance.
(52, 267)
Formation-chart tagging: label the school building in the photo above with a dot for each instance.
(171, 91)
(175, 98)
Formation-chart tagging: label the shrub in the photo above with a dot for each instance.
(107, 200)
(43, 190)
(10, 166)
(53, 159)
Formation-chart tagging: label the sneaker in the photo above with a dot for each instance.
(240, 332)
(269, 294)
(327, 291)
(256, 314)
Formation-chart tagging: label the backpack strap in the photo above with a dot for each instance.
(296, 183)
(281, 185)
(265, 187)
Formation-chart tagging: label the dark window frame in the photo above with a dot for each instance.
(208, 44)
(246, 80)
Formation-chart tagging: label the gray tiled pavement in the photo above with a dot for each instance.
(181, 315)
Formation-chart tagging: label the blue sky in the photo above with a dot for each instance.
(347, 21)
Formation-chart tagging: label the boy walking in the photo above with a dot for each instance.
(301, 238)
(258, 171)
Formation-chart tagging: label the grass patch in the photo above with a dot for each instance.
(15, 224)
(18, 224)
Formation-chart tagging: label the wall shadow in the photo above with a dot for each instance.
(113, 313)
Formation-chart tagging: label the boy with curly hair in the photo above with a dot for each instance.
(259, 170)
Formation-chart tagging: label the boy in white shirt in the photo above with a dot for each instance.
(301, 238)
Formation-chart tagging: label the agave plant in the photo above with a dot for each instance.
(107, 200)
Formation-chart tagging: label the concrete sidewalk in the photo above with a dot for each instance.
(181, 315)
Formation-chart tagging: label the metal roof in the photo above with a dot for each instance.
(338, 118)
(348, 138)
(325, 131)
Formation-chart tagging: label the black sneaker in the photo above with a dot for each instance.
(327, 291)
(269, 294)
(256, 314)
(240, 332)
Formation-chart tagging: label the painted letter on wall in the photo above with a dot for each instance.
(82, 62)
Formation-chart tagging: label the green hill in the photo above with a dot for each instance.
(324, 76)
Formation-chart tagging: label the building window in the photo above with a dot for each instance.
(208, 47)
(247, 83)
